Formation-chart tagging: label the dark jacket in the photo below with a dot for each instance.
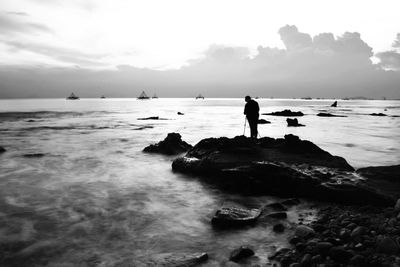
(251, 109)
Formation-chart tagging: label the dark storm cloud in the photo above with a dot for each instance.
(17, 23)
(321, 66)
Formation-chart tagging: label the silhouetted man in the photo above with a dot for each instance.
(251, 110)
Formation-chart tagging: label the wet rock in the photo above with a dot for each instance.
(357, 260)
(234, 216)
(2, 149)
(262, 121)
(171, 145)
(278, 215)
(378, 114)
(323, 114)
(323, 247)
(286, 113)
(358, 231)
(279, 228)
(340, 254)
(388, 173)
(180, 113)
(178, 259)
(304, 231)
(306, 260)
(291, 202)
(397, 206)
(277, 206)
(293, 123)
(241, 253)
(334, 105)
(387, 245)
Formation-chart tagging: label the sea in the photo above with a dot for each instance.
(76, 189)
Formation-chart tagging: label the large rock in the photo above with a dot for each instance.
(286, 113)
(171, 145)
(241, 253)
(2, 149)
(323, 114)
(234, 216)
(389, 173)
(285, 166)
(293, 123)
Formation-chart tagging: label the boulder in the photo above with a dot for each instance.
(262, 121)
(286, 167)
(293, 123)
(277, 206)
(286, 113)
(387, 245)
(2, 149)
(389, 173)
(171, 145)
(334, 105)
(303, 231)
(241, 253)
(235, 216)
(323, 114)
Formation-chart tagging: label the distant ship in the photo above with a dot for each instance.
(199, 97)
(72, 97)
(143, 96)
(155, 96)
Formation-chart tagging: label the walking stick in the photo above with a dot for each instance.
(244, 129)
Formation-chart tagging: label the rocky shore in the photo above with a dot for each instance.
(358, 220)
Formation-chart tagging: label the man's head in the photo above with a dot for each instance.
(247, 98)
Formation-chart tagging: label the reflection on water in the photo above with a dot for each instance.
(94, 199)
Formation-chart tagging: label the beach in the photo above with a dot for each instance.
(76, 187)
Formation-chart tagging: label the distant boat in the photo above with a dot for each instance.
(199, 97)
(155, 96)
(143, 96)
(72, 97)
(103, 96)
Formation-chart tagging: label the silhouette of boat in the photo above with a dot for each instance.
(155, 96)
(143, 96)
(72, 97)
(199, 97)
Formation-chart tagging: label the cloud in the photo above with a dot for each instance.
(62, 54)
(12, 23)
(293, 39)
(320, 66)
(391, 59)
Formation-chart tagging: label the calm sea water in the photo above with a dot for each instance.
(95, 199)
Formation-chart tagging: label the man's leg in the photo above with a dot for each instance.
(253, 127)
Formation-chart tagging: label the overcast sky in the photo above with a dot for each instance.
(49, 48)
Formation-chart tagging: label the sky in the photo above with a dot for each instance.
(286, 48)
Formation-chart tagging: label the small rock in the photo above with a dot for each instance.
(358, 231)
(279, 228)
(323, 247)
(357, 260)
(180, 113)
(386, 245)
(262, 121)
(306, 260)
(241, 253)
(396, 207)
(304, 231)
(293, 123)
(340, 254)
